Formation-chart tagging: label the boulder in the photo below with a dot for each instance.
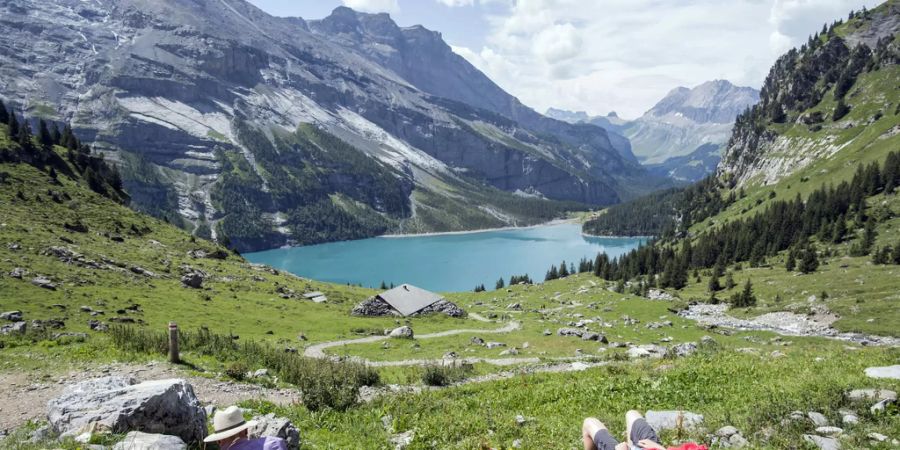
(119, 405)
(589, 336)
(881, 406)
(818, 419)
(671, 420)
(193, 280)
(685, 349)
(403, 332)
(510, 352)
(891, 372)
(272, 426)
(11, 316)
(43, 282)
(491, 345)
(137, 440)
(871, 394)
(18, 272)
(15, 327)
(476, 340)
(850, 419)
(569, 332)
(823, 443)
(646, 351)
(830, 431)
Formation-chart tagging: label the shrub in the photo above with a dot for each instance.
(236, 371)
(445, 375)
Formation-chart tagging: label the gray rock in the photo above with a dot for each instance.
(569, 332)
(670, 420)
(261, 373)
(871, 394)
(510, 352)
(193, 280)
(850, 419)
(476, 340)
(402, 440)
(830, 431)
(43, 282)
(685, 349)
(403, 332)
(823, 443)
(18, 273)
(14, 328)
(491, 345)
(210, 410)
(818, 419)
(881, 406)
(891, 372)
(120, 405)
(726, 431)
(12, 316)
(514, 306)
(589, 336)
(646, 351)
(547, 332)
(737, 441)
(877, 437)
(708, 341)
(40, 435)
(270, 425)
(137, 440)
(97, 325)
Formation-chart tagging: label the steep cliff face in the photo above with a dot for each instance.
(835, 94)
(224, 119)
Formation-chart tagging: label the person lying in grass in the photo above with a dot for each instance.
(640, 435)
(231, 432)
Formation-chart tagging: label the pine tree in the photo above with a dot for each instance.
(729, 281)
(745, 298)
(500, 284)
(44, 136)
(809, 261)
(383, 286)
(882, 256)
(563, 270)
(891, 172)
(791, 263)
(4, 114)
(13, 124)
(55, 134)
(552, 274)
(895, 255)
(839, 230)
(869, 235)
(25, 136)
(714, 285)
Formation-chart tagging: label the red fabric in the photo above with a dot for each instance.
(689, 446)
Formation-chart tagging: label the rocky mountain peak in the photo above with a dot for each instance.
(716, 101)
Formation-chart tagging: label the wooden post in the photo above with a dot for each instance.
(173, 343)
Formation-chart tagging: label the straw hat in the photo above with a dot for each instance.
(228, 423)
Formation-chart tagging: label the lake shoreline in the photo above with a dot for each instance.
(482, 230)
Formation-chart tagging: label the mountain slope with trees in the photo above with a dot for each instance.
(241, 127)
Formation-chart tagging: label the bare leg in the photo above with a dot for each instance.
(630, 418)
(588, 430)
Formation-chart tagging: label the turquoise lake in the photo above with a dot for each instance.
(449, 262)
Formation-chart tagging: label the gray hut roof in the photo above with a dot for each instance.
(408, 299)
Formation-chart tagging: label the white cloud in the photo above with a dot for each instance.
(456, 3)
(373, 6)
(625, 55)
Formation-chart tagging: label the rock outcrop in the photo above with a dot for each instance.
(119, 405)
(137, 440)
(273, 426)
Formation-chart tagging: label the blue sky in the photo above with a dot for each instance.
(605, 55)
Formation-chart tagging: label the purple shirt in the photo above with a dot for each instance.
(263, 443)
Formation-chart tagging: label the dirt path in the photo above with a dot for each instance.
(782, 322)
(318, 350)
(32, 391)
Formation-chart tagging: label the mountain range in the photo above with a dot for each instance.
(263, 131)
(683, 134)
